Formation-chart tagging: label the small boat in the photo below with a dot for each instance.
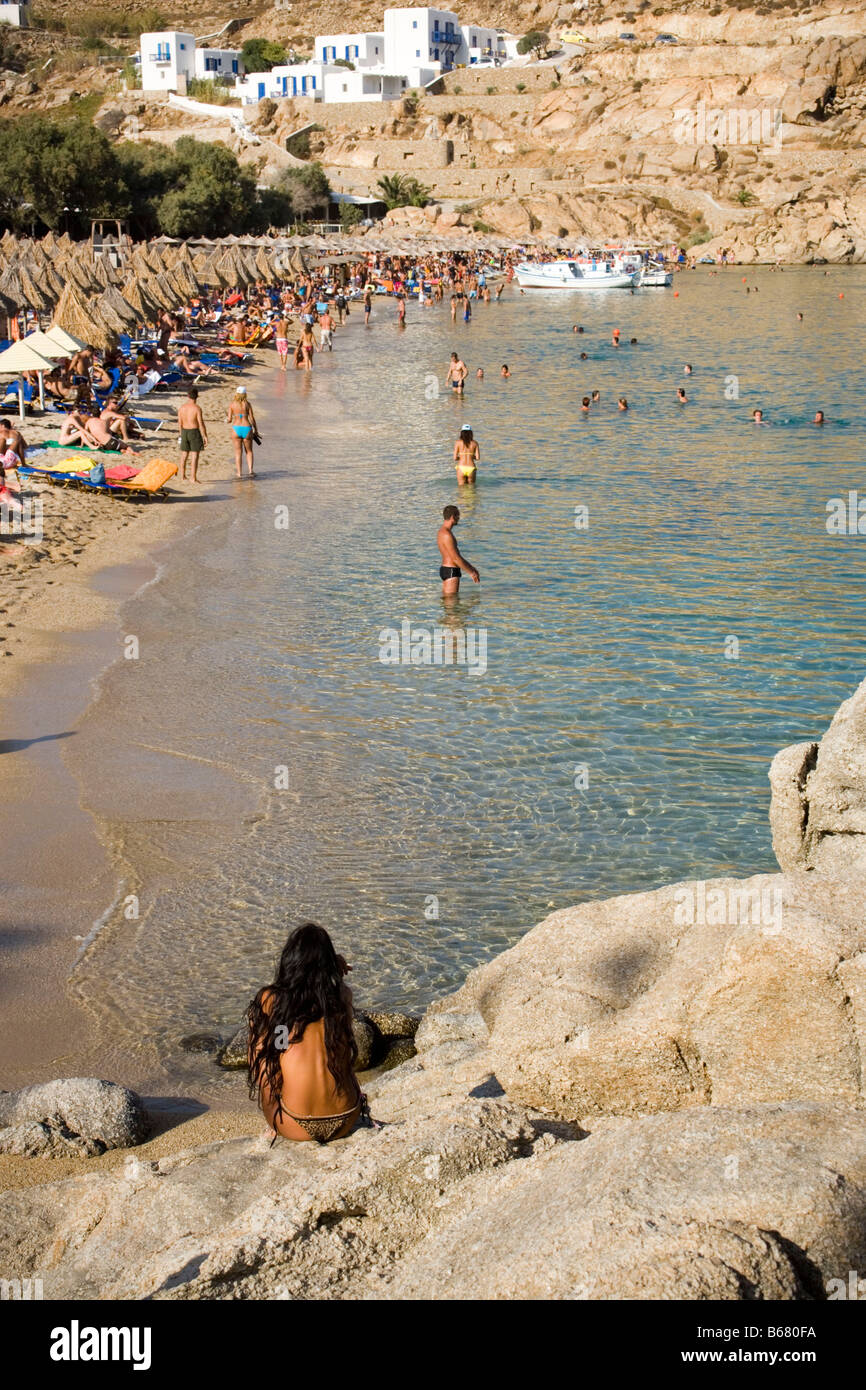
(573, 275)
(655, 277)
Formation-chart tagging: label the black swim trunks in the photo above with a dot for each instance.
(449, 572)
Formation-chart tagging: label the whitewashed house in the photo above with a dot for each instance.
(480, 43)
(364, 84)
(167, 60)
(422, 38)
(287, 80)
(364, 50)
(16, 15)
(211, 63)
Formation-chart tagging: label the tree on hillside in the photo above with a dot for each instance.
(307, 190)
(212, 193)
(58, 176)
(535, 41)
(260, 55)
(401, 190)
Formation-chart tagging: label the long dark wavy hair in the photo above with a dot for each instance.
(308, 986)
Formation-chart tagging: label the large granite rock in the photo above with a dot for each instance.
(75, 1115)
(627, 1007)
(766, 1203)
(818, 805)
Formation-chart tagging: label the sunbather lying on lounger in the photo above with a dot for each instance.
(192, 366)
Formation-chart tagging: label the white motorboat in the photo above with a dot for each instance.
(655, 277)
(573, 275)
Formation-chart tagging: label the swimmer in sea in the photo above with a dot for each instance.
(681, 396)
(757, 417)
(456, 377)
(584, 405)
(452, 561)
(583, 357)
(503, 370)
(595, 397)
(467, 456)
(615, 337)
(687, 369)
(622, 403)
(799, 318)
(479, 375)
(632, 341)
(819, 418)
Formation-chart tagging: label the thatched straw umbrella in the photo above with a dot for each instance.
(82, 319)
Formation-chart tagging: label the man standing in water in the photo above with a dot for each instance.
(281, 337)
(193, 433)
(452, 561)
(457, 373)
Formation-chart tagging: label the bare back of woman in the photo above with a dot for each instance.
(302, 1049)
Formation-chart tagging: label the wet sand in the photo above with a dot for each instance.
(58, 631)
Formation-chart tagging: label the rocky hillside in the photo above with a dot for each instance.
(660, 1096)
(745, 135)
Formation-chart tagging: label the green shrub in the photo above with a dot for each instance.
(521, 87)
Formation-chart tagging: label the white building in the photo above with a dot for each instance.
(218, 62)
(481, 43)
(364, 84)
(364, 50)
(421, 38)
(287, 80)
(167, 61)
(16, 15)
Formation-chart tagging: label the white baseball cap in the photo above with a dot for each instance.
(242, 391)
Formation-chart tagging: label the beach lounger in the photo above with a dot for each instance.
(148, 481)
(152, 478)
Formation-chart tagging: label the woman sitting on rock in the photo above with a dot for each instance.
(302, 1050)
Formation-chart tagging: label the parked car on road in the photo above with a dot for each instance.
(666, 38)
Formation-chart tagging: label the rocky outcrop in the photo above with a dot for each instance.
(818, 806)
(725, 992)
(75, 1116)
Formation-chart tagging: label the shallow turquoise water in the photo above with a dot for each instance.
(606, 646)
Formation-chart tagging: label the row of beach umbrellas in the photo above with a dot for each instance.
(90, 299)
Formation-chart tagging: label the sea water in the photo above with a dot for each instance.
(661, 603)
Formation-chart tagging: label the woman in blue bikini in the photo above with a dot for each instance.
(243, 423)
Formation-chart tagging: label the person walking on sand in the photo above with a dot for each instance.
(243, 426)
(281, 336)
(467, 456)
(452, 561)
(193, 433)
(368, 305)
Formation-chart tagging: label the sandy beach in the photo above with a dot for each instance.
(62, 598)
